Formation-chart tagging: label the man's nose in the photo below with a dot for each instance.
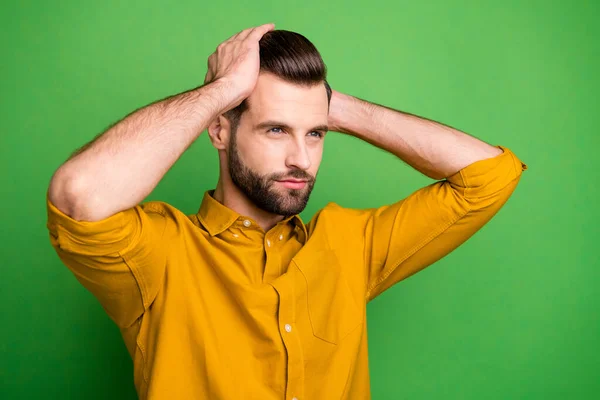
(298, 156)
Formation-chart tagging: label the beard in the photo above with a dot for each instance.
(262, 190)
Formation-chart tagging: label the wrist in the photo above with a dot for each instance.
(336, 111)
(343, 111)
(222, 96)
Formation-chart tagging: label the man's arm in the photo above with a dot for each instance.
(118, 169)
(433, 149)
(403, 238)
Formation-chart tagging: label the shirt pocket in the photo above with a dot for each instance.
(332, 308)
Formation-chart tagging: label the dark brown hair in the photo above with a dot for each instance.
(291, 57)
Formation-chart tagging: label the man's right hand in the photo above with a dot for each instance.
(236, 64)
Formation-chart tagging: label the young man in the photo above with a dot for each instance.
(242, 300)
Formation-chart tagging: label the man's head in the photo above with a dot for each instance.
(277, 133)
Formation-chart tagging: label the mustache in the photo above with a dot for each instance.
(294, 174)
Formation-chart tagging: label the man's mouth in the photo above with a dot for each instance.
(293, 183)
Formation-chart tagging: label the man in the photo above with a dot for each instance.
(243, 300)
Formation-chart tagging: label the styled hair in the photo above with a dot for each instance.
(292, 58)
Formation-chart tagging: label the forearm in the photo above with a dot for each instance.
(432, 148)
(122, 166)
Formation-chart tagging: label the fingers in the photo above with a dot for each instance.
(254, 32)
(259, 31)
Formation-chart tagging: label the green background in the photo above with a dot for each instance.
(511, 314)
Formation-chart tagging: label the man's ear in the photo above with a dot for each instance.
(219, 131)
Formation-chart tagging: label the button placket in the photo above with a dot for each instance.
(286, 318)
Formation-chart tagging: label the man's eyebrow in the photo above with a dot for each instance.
(272, 123)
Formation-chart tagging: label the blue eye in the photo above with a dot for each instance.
(312, 134)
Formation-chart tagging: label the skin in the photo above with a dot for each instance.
(253, 159)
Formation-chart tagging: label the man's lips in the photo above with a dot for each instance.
(293, 183)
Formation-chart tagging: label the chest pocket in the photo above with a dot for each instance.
(332, 309)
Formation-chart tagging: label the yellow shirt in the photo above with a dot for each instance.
(212, 307)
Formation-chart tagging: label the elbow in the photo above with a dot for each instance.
(72, 195)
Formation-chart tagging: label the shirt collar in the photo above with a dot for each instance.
(216, 217)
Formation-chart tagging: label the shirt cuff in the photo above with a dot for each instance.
(490, 175)
(105, 236)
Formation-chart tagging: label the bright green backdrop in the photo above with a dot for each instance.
(511, 314)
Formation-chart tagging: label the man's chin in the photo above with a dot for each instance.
(293, 198)
(290, 204)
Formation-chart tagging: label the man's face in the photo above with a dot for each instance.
(279, 138)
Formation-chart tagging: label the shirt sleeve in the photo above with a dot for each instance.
(119, 259)
(407, 236)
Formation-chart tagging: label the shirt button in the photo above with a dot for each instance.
(280, 237)
(288, 328)
(247, 223)
(268, 243)
(294, 398)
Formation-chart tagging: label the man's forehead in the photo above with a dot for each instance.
(274, 97)
(292, 110)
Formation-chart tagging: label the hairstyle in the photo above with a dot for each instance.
(291, 57)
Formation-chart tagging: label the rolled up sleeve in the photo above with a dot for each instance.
(119, 259)
(411, 234)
